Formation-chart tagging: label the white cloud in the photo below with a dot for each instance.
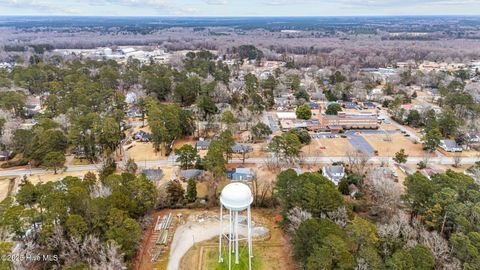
(373, 3)
(216, 2)
(43, 5)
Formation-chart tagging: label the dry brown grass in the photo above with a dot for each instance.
(328, 147)
(144, 151)
(49, 177)
(389, 148)
(4, 185)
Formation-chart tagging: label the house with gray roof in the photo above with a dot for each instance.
(202, 144)
(5, 155)
(191, 173)
(241, 174)
(450, 146)
(405, 169)
(153, 174)
(334, 173)
(240, 148)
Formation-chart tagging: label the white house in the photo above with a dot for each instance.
(334, 173)
(450, 146)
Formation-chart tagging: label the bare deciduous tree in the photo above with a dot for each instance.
(340, 216)
(457, 159)
(89, 250)
(358, 160)
(296, 216)
(385, 192)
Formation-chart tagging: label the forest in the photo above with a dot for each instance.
(433, 225)
(337, 42)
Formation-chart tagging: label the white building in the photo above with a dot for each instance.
(334, 173)
(450, 146)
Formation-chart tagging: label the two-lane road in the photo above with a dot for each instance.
(309, 160)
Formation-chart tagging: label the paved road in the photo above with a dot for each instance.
(401, 127)
(406, 131)
(309, 160)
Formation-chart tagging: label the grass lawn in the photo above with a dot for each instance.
(243, 261)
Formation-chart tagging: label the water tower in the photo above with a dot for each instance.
(236, 198)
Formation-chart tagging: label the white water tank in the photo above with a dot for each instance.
(236, 197)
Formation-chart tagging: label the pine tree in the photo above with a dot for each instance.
(191, 190)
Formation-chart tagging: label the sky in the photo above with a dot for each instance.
(239, 7)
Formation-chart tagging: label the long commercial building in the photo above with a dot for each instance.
(334, 123)
(349, 121)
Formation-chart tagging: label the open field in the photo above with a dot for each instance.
(384, 126)
(141, 151)
(49, 177)
(328, 147)
(385, 147)
(180, 142)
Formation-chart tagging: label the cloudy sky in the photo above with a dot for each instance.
(239, 7)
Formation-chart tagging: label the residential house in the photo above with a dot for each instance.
(142, 136)
(450, 146)
(281, 102)
(153, 174)
(405, 169)
(6, 65)
(5, 155)
(241, 174)
(134, 112)
(202, 144)
(476, 98)
(240, 148)
(314, 105)
(318, 96)
(334, 173)
(368, 105)
(32, 106)
(131, 98)
(191, 173)
(264, 75)
(473, 137)
(407, 106)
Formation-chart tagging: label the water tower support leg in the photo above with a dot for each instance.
(230, 242)
(249, 238)
(236, 238)
(220, 236)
